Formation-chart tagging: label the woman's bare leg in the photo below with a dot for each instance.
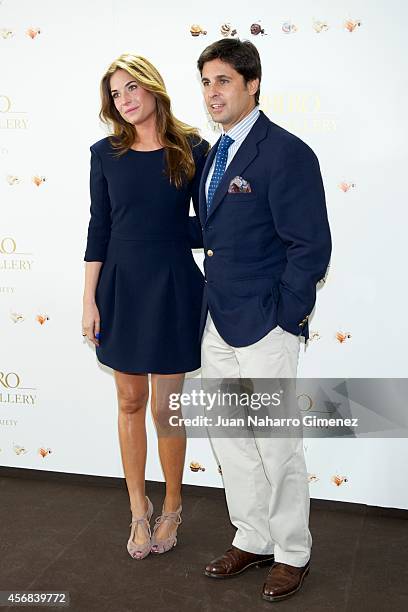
(133, 394)
(171, 443)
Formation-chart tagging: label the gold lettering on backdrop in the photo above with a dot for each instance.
(13, 124)
(297, 104)
(310, 125)
(8, 422)
(300, 111)
(16, 264)
(7, 380)
(324, 125)
(7, 245)
(5, 104)
(291, 103)
(278, 104)
(18, 398)
(316, 103)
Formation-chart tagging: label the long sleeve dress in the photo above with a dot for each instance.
(149, 291)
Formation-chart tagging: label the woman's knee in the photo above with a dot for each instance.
(131, 401)
(161, 413)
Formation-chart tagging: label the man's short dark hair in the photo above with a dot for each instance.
(241, 54)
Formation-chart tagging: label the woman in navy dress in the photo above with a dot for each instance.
(143, 289)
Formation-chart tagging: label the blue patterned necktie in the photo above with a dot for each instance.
(219, 168)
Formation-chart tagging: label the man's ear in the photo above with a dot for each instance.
(253, 86)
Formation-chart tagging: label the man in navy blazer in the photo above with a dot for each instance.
(267, 243)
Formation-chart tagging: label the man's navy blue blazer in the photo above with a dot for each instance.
(265, 250)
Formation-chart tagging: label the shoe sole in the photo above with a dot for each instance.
(254, 563)
(280, 597)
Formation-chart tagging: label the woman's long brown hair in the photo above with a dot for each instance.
(177, 137)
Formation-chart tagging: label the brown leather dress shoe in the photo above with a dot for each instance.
(235, 561)
(283, 580)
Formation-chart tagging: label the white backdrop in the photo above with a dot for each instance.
(334, 74)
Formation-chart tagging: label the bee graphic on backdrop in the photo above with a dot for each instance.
(320, 26)
(338, 480)
(6, 33)
(19, 450)
(196, 30)
(33, 32)
(257, 29)
(196, 467)
(13, 180)
(352, 24)
(289, 28)
(44, 452)
(38, 180)
(314, 335)
(42, 318)
(227, 30)
(219, 470)
(16, 317)
(342, 336)
(312, 477)
(345, 186)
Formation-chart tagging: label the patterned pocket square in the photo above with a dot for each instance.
(239, 185)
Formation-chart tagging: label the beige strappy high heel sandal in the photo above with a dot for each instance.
(162, 546)
(140, 551)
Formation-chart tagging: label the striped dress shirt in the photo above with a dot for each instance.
(238, 133)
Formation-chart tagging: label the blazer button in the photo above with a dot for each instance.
(210, 253)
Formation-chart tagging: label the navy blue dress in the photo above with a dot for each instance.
(149, 291)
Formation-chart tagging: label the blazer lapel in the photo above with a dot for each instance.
(204, 175)
(243, 157)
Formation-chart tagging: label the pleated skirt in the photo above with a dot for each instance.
(149, 297)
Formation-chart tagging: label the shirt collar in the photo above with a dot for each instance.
(241, 130)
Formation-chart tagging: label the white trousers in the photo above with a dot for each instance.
(265, 478)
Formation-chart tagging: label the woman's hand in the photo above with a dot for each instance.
(91, 322)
